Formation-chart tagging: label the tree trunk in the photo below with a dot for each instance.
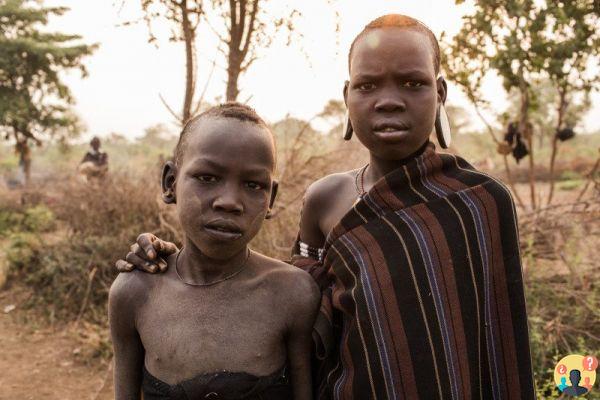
(189, 39)
(562, 105)
(242, 19)
(22, 149)
(511, 183)
(525, 129)
(233, 74)
(237, 15)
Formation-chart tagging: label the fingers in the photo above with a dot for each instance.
(160, 261)
(141, 264)
(162, 264)
(164, 248)
(124, 266)
(145, 242)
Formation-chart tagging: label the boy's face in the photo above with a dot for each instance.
(224, 184)
(392, 95)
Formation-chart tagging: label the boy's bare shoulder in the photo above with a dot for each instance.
(327, 187)
(130, 289)
(287, 280)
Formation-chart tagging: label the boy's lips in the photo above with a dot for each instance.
(222, 229)
(391, 131)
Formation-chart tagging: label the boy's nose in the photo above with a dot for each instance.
(389, 102)
(229, 202)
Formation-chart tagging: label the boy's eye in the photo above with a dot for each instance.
(365, 86)
(255, 185)
(206, 178)
(413, 84)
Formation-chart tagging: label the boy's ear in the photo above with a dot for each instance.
(345, 92)
(442, 90)
(168, 178)
(274, 189)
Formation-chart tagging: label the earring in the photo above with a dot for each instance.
(442, 127)
(347, 129)
(169, 197)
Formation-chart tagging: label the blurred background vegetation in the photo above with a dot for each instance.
(60, 235)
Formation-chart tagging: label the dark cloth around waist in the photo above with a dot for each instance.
(220, 385)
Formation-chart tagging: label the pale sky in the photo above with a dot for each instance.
(126, 74)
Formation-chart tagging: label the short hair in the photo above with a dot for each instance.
(401, 21)
(231, 109)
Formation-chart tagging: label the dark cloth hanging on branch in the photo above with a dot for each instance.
(520, 150)
(565, 134)
(515, 141)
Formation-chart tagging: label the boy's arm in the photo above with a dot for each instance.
(128, 349)
(312, 205)
(303, 309)
(311, 235)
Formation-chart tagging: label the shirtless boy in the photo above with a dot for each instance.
(224, 322)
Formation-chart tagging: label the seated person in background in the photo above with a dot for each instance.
(95, 162)
(223, 321)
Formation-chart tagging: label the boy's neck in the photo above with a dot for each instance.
(378, 168)
(195, 267)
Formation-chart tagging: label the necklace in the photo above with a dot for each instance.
(360, 189)
(233, 274)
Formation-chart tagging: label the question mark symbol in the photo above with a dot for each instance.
(562, 369)
(590, 363)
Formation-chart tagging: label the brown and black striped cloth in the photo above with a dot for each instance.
(422, 290)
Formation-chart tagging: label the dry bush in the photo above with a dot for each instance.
(559, 246)
(71, 269)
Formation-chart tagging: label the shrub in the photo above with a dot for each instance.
(71, 270)
(24, 250)
(38, 219)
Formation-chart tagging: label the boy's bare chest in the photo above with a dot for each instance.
(204, 331)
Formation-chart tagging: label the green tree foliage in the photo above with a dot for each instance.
(524, 41)
(34, 102)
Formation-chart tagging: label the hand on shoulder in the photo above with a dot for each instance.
(148, 254)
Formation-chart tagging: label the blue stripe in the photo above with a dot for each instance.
(425, 180)
(374, 316)
(426, 256)
(486, 285)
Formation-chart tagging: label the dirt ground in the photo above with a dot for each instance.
(45, 363)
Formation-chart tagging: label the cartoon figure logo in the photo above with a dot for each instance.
(575, 375)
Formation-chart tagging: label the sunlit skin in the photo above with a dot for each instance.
(254, 322)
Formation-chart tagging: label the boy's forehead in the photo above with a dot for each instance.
(409, 47)
(227, 137)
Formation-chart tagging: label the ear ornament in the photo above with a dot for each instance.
(442, 127)
(347, 129)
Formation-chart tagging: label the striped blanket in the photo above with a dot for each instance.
(422, 290)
